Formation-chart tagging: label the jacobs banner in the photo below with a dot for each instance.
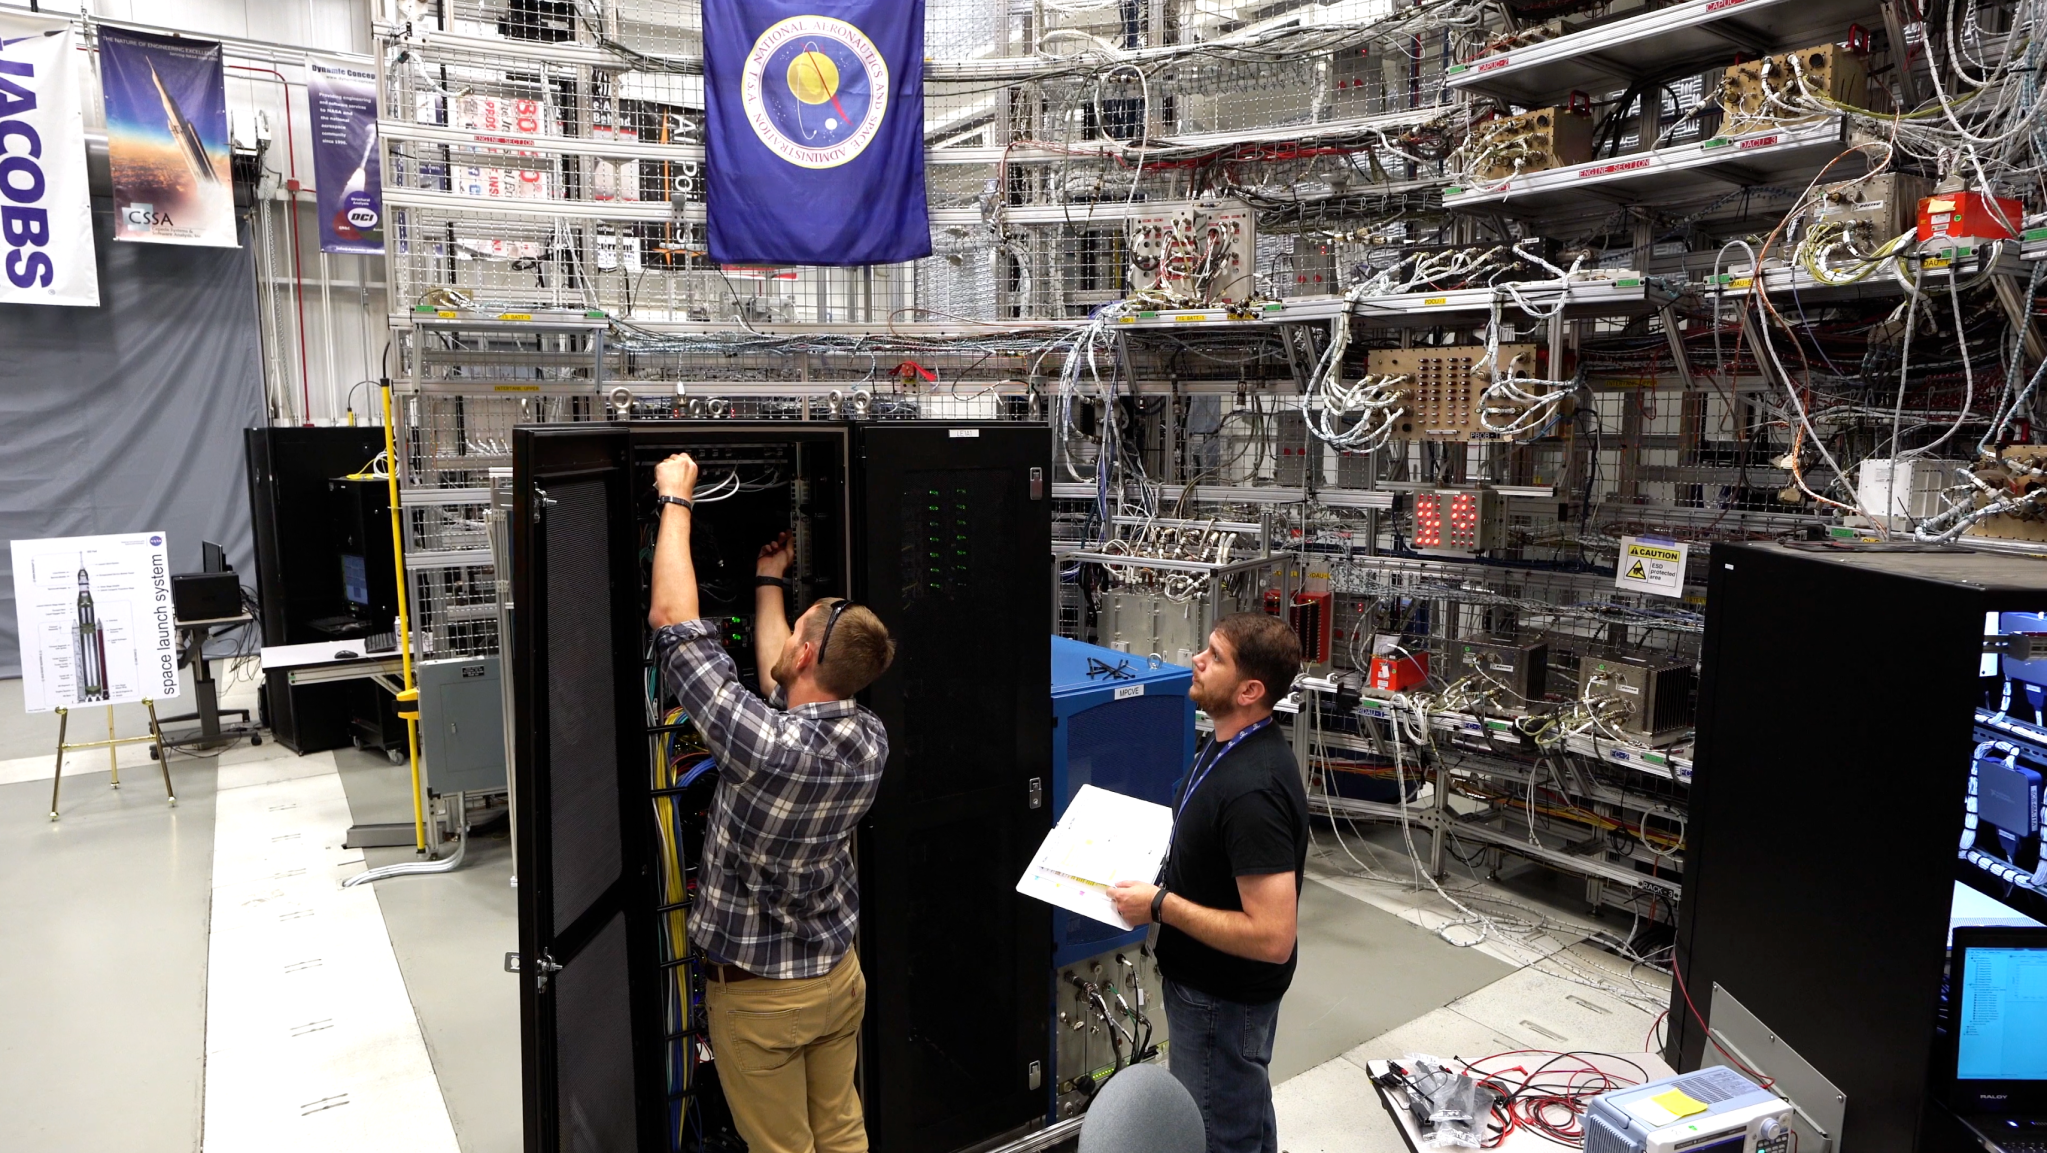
(167, 141)
(45, 206)
(815, 142)
(346, 166)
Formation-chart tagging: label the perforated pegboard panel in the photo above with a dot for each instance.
(582, 735)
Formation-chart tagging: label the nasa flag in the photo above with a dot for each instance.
(46, 249)
(815, 131)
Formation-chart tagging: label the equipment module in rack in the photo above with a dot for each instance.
(1715, 1110)
(1532, 141)
(1762, 93)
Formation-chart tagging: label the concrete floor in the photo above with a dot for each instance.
(107, 921)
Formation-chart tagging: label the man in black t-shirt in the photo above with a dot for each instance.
(1227, 910)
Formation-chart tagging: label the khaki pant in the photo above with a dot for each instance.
(785, 1052)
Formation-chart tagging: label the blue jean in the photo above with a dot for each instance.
(1221, 1050)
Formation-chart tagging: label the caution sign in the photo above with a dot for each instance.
(1651, 565)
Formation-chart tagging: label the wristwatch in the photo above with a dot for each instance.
(681, 500)
(782, 583)
(1158, 904)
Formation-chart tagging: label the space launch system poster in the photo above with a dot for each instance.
(96, 621)
(167, 139)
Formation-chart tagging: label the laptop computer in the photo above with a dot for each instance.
(1997, 1030)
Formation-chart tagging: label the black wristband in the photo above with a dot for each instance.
(684, 501)
(782, 583)
(1158, 905)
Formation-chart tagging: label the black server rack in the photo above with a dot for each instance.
(298, 563)
(1839, 702)
(298, 570)
(944, 531)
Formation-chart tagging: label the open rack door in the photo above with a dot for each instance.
(956, 533)
(589, 1014)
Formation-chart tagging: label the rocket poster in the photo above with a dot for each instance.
(96, 624)
(166, 102)
(346, 165)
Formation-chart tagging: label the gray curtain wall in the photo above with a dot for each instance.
(129, 416)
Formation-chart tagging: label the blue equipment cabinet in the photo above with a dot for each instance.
(1130, 731)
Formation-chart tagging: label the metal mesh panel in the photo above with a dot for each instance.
(546, 155)
(582, 735)
(594, 1047)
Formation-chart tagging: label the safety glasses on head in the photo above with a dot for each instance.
(839, 608)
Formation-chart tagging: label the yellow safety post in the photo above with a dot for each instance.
(408, 700)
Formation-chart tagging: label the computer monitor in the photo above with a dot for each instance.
(355, 580)
(212, 557)
(1997, 990)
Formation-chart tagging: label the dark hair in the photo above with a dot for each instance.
(861, 649)
(1266, 650)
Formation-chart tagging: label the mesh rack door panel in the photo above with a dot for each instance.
(594, 1096)
(958, 531)
(582, 735)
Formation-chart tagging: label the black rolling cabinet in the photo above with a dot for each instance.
(1839, 708)
(944, 530)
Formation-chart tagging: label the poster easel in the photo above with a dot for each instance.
(112, 745)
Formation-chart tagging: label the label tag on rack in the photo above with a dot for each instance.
(1651, 565)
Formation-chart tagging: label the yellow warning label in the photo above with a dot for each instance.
(1638, 572)
(1651, 552)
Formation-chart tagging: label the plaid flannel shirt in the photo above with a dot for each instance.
(776, 892)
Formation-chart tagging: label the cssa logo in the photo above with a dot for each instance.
(22, 225)
(144, 217)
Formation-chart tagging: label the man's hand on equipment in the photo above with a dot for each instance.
(676, 476)
(1133, 901)
(775, 557)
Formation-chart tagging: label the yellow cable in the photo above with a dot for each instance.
(408, 701)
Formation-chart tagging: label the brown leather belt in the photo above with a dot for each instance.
(728, 973)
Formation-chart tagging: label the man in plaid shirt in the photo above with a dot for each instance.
(777, 901)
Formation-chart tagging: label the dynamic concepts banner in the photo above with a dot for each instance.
(166, 103)
(46, 247)
(95, 616)
(815, 148)
(346, 167)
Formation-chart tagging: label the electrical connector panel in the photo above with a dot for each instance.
(1761, 94)
(1088, 1047)
(1195, 253)
(1531, 142)
(1445, 385)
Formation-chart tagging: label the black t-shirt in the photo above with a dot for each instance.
(1248, 818)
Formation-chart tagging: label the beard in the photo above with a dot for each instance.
(1205, 700)
(784, 670)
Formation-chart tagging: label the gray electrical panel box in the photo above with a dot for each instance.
(461, 724)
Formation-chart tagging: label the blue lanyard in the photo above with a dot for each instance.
(1218, 756)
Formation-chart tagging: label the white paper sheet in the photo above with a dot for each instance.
(1103, 838)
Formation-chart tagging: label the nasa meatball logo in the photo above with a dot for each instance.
(815, 90)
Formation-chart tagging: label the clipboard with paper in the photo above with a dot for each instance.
(1102, 838)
